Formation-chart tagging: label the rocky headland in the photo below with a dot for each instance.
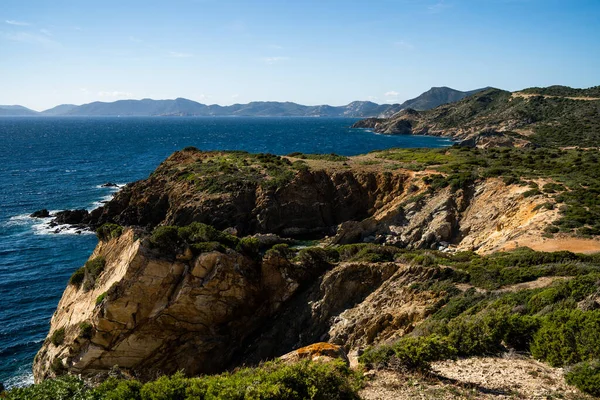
(222, 259)
(556, 116)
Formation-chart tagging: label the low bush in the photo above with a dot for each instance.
(568, 337)
(58, 337)
(109, 231)
(272, 380)
(86, 330)
(100, 298)
(77, 277)
(586, 377)
(410, 353)
(93, 269)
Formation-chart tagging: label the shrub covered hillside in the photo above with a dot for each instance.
(493, 311)
(571, 177)
(553, 116)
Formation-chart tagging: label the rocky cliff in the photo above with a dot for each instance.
(156, 301)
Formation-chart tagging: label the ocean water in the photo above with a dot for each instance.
(61, 163)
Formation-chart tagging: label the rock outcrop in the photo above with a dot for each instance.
(211, 308)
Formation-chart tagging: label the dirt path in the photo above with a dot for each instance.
(575, 245)
(475, 378)
(528, 95)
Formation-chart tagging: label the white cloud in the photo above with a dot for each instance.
(32, 38)
(176, 54)
(17, 23)
(235, 96)
(273, 60)
(115, 93)
(391, 93)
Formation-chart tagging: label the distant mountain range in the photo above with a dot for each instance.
(183, 107)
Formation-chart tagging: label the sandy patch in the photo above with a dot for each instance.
(575, 245)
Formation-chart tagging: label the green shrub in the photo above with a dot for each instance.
(586, 377)
(118, 389)
(58, 337)
(281, 250)
(410, 353)
(66, 387)
(109, 231)
(165, 238)
(249, 245)
(93, 269)
(568, 337)
(86, 330)
(166, 388)
(100, 298)
(272, 380)
(206, 247)
(77, 277)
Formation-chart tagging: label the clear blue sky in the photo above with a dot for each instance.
(310, 52)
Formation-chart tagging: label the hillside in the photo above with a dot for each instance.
(16, 111)
(436, 96)
(205, 266)
(567, 117)
(184, 107)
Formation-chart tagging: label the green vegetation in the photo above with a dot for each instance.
(58, 337)
(77, 277)
(564, 91)
(86, 330)
(88, 274)
(326, 157)
(199, 237)
(222, 172)
(100, 298)
(575, 189)
(273, 380)
(554, 121)
(93, 269)
(586, 377)
(109, 231)
(557, 324)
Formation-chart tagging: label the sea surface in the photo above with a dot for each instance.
(61, 163)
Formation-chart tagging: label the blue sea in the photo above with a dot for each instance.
(61, 163)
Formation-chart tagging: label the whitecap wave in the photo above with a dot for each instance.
(44, 228)
(20, 380)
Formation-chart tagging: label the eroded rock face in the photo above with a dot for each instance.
(162, 315)
(313, 201)
(217, 310)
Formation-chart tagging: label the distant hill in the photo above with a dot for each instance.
(16, 111)
(59, 110)
(436, 96)
(184, 107)
(554, 116)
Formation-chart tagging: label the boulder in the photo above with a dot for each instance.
(321, 352)
(72, 217)
(43, 213)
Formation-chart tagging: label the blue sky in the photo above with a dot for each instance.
(310, 52)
